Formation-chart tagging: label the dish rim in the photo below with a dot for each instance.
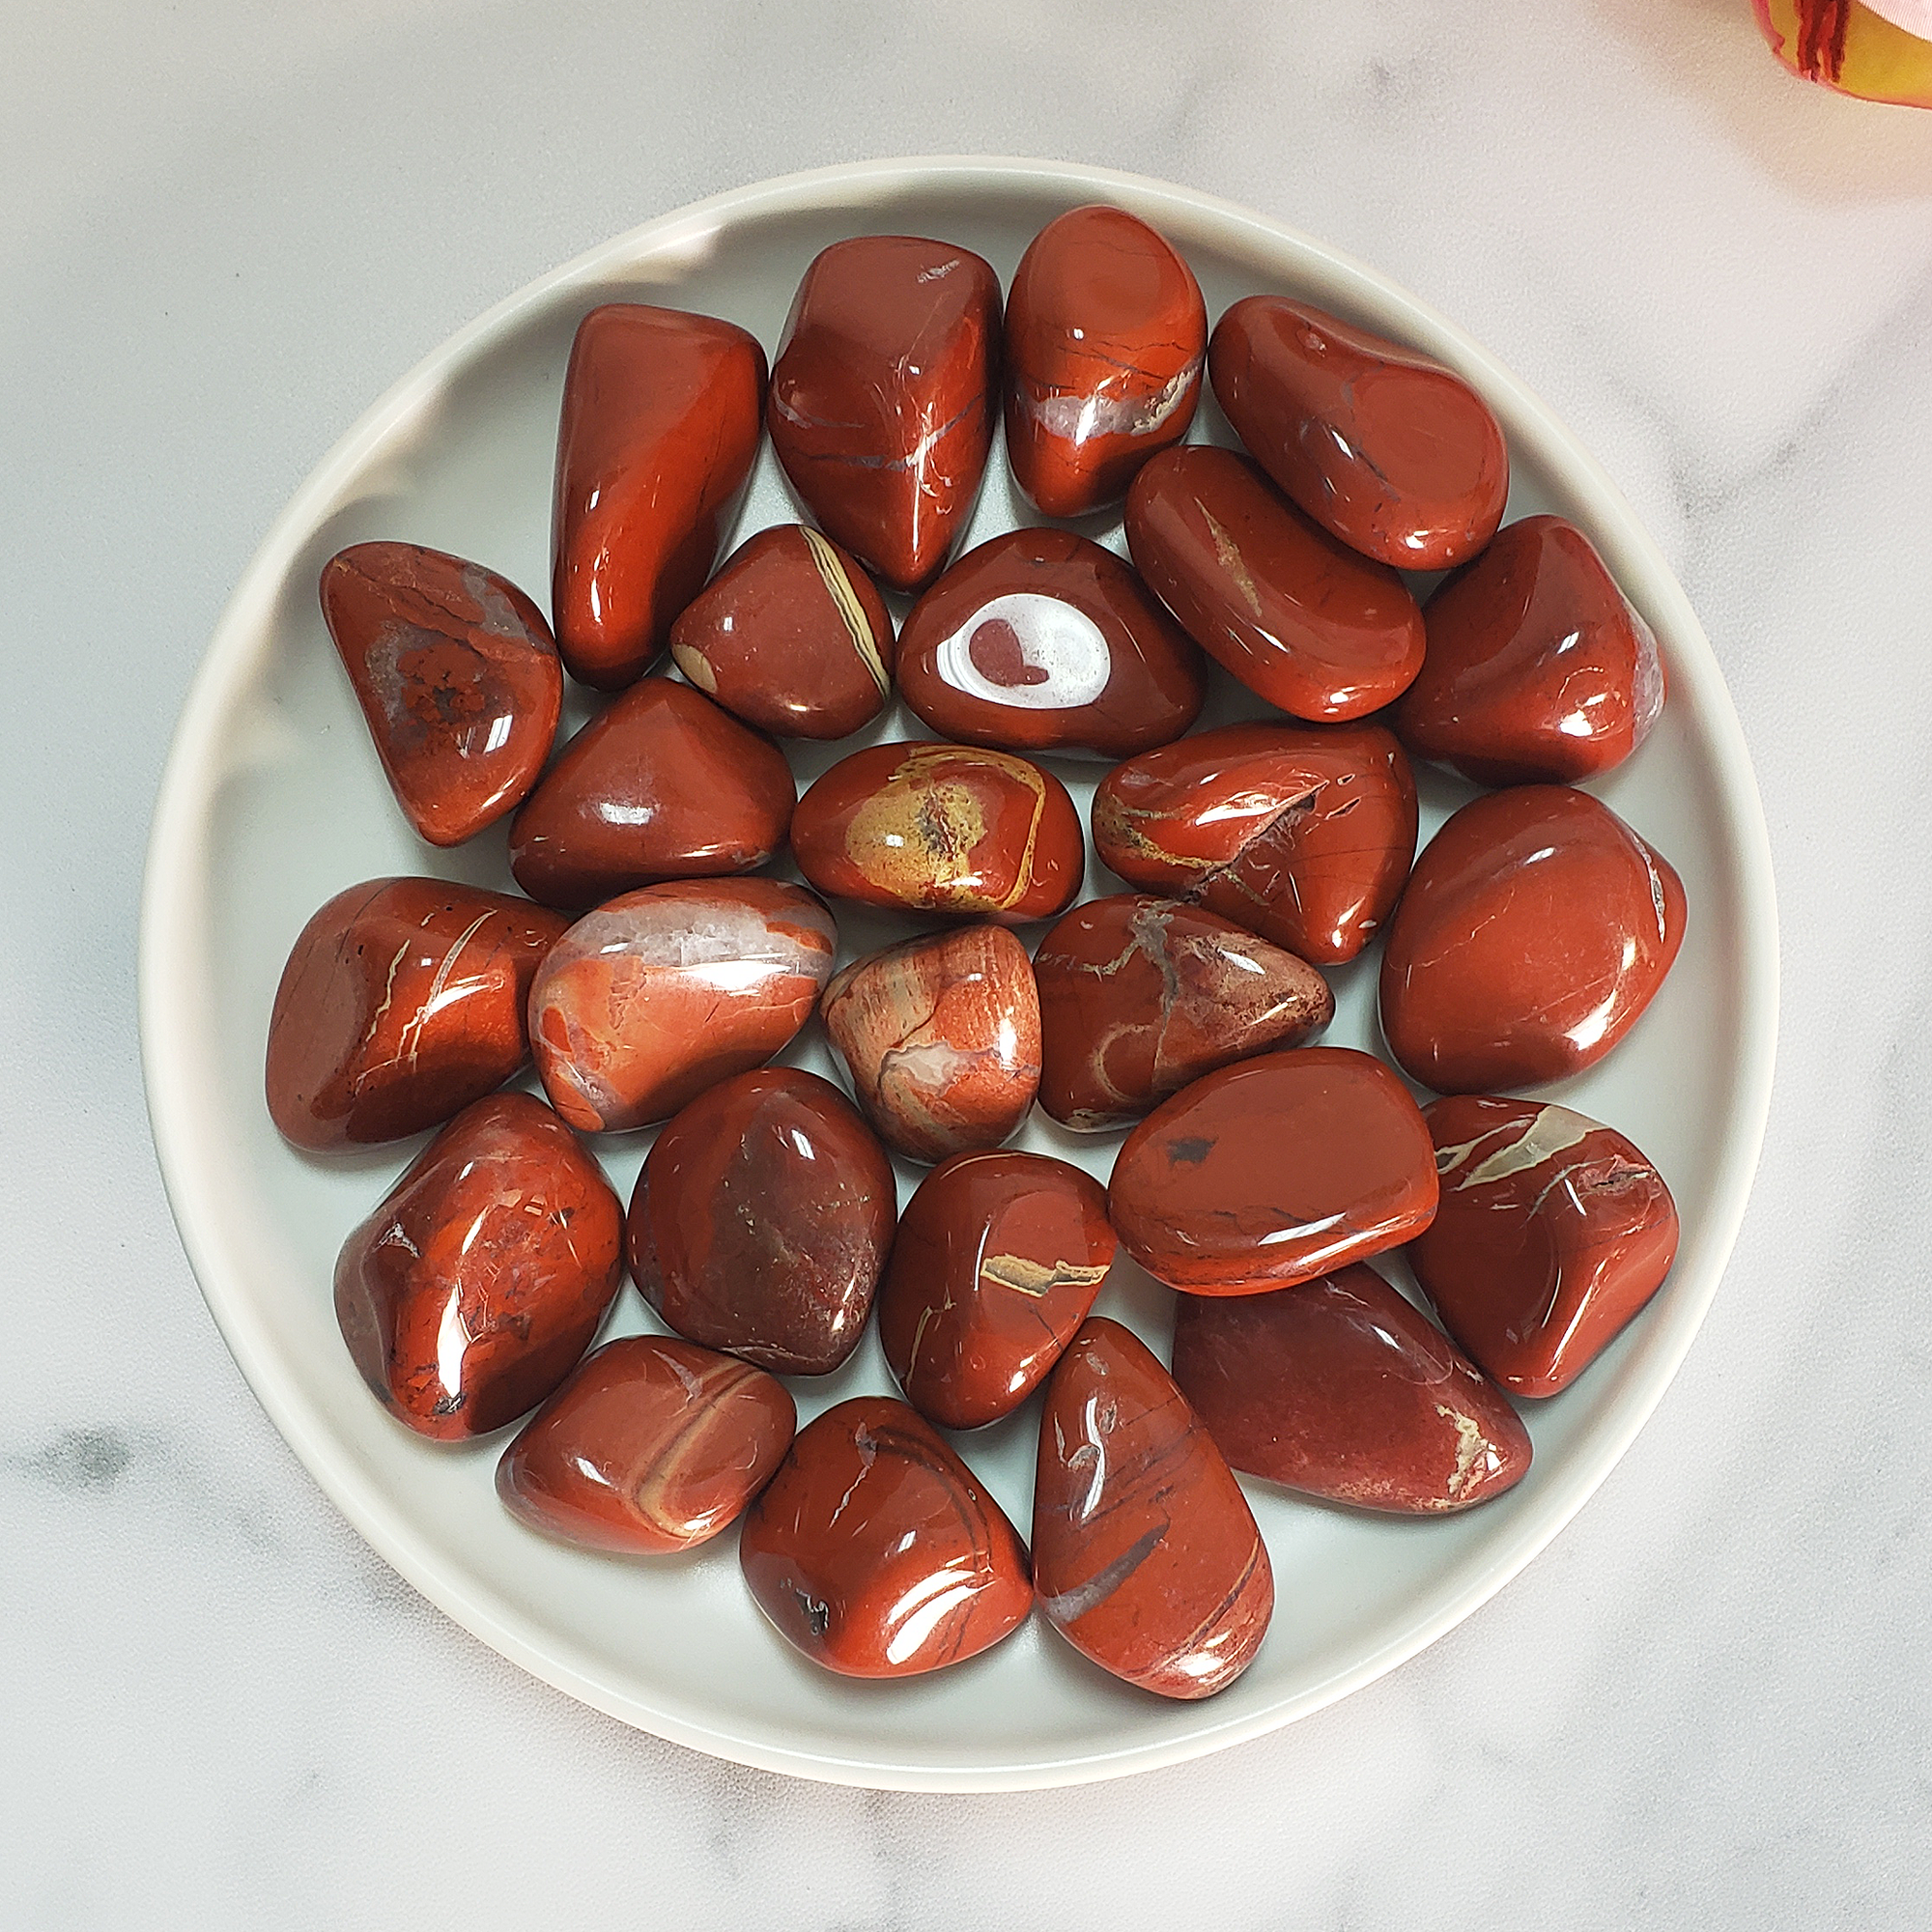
(173, 909)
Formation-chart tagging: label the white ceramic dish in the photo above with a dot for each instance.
(273, 799)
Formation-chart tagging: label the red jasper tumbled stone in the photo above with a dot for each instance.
(1340, 1388)
(997, 1260)
(1145, 1554)
(457, 675)
(402, 1002)
(762, 1219)
(662, 414)
(791, 635)
(1395, 454)
(941, 1036)
(661, 785)
(1304, 621)
(1538, 668)
(647, 1001)
(1039, 641)
(471, 1291)
(651, 1446)
(1535, 929)
(1138, 995)
(882, 397)
(875, 1552)
(942, 828)
(1274, 1170)
(1553, 1231)
(1302, 833)
(1105, 334)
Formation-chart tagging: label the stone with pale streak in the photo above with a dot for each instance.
(652, 1446)
(791, 635)
(997, 1260)
(1340, 1388)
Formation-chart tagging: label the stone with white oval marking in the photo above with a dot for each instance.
(1041, 640)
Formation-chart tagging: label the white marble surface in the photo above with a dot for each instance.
(226, 226)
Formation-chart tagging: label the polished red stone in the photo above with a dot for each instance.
(997, 1260)
(1552, 1233)
(1144, 1553)
(942, 828)
(1105, 334)
(1392, 452)
(1340, 1388)
(457, 674)
(1138, 995)
(1538, 669)
(1302, 833)
(1314, 627)
(659, 785)
(662, 411)
(1274, 1170)
(1535, 929)
(402, 1002)
(941, 1036)
(882, 397)
(791, 635)
(650, 1447)
(1039, 641)
(649, 1000)
(875, 1552)
(471, 1291)
(762, 1220)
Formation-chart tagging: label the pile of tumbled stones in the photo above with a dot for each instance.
(657, 963)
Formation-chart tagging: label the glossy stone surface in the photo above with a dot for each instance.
(1387, 449)
(402, 1002)
(471, 1291)
(1553, 1231)
(1317, 628)
(941, 1036)
(1302, 833)
(1145, 1554)
(1538, 669)
(942, 828)
(762, 1220)
(651, 1446)
(659, 785)
(1274, 1170)
(1138, 995)
(649, 1000)
(791, 635)
(662, 412)
(882, 397)
(1535, 929)
(1039, 641)
(457, 675)
(997, 1260)
(1340, 1388)
(1105, 334)
(875, 1552)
